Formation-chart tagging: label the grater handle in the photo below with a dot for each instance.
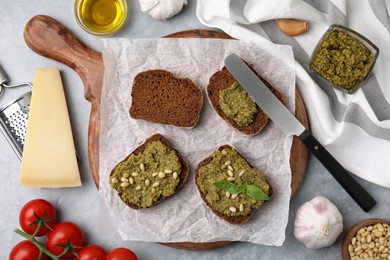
(3, 76)
(49, 38)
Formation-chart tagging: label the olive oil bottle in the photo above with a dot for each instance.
(102, 16)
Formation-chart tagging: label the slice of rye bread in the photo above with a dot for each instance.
(231, 219)
(159, 96)
(223, 79)
(184, 165)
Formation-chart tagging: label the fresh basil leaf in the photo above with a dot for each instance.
(229, 187)
(256, 193)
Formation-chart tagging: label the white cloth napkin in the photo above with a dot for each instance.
(354, 128)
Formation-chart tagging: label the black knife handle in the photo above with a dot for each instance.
(345, 178)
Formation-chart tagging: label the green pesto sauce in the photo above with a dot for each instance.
(237, 104)
(156, 158)
(216, 170)
(342, 60)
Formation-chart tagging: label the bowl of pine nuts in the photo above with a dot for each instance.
(367, 239)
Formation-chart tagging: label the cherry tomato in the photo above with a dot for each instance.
(65, 233)
(121, 253)
(32, 212)
(91, 252)
(26, 250)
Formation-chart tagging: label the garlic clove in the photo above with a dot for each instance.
(318, 223)
(162, 9)
(292, 27)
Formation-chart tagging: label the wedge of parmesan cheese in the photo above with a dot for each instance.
(49, 155)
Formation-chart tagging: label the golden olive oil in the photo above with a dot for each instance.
(102, 16)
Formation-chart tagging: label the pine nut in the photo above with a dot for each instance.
(161, 175)
(233, 209)
(175, 175)
(126, 175)
(114, 180)
(168, 171)
(156, 184)
(228, 163)
(361, 231)
(231, 179)
(230, 168)
(154, 174)
(147, 182)
(241, 173)
(125, 184)
(124, 179)
(131, 180)
(234, 196)
(142, 167)
(134, 174)
(153, 190)
(241, 207)
(380, 227)
(224, 152)
(230, 173)
(227, 194)
(138, 187)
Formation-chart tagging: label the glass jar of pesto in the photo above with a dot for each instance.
(344, 58)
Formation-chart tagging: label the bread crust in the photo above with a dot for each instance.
(223, 79)
(159, 96)
(182, 177)
(231, 219)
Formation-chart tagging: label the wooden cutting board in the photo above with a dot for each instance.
(49, 38)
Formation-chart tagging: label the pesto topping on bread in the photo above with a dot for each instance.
(227, 164)
(143, 178)
(236, 103)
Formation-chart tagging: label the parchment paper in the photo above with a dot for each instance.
(184, 216)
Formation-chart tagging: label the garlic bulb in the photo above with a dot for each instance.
(318, 223)
(162, 9)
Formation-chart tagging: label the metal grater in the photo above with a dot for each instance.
(14, 116)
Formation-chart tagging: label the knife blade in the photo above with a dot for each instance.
(290, 125)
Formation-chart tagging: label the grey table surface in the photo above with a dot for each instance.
(19, 62)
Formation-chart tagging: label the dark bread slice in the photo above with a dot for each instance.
(223, 79)
(231, 219)
(182, 176)
(159, 96)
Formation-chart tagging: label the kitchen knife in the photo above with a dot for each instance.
(282, 117)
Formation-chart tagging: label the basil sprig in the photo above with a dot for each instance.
(249, 189)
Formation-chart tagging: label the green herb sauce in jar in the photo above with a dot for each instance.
(342, 60)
